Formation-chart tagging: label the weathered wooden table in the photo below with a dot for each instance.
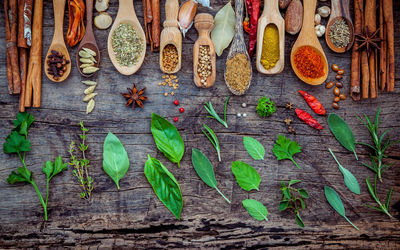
(134, 218)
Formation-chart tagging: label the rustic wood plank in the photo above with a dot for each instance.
(134, 217)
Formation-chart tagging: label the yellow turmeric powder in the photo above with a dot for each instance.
(270, 48)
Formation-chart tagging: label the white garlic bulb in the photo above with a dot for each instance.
(317, 19)
(319, 30)
(324, 11)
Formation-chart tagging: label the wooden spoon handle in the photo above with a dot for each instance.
(308, 17)
(125, 9)
(89, 15)
(271, 6)
(58, 6)
(345, 9)
(239, 18)
(171, 13)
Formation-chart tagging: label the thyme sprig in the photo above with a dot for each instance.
(81, 165)
(213, 139)
(384, 208)
(213, 114)
(380, 144)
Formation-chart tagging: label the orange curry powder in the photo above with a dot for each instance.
(308, 62)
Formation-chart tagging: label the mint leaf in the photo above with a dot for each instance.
(16, 143)
(22, 175)
(285, 148)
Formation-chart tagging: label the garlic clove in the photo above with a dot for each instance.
(101, 5)
(319, 30)
(186, 15)
(324, 11)
(317, 19)
(103, 21)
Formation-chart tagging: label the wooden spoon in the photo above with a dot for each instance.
(204, 23)
(238, 46)
(58, 43)
(126, 14)
(271, 15)
(171, 34)
(340, 10)
(307, 37)
(88, 40)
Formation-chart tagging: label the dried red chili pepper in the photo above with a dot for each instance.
(246, 25)
(253, 8)
(308, 119)
(313, 102)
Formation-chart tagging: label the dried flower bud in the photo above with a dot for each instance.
(186, 15)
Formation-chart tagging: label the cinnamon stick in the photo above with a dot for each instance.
(365, 74)
(23, 62)
(21, 35)
(370, 25)
(355, 54)
(382, 52)
(33, 82)
(28, 21)
(11, 16)
(388, 17)
(144, 2)
(155, 25)
(9, 73)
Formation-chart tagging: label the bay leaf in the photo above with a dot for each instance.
(115, 158)
(224, 28)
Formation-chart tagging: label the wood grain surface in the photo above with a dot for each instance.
(133, 217)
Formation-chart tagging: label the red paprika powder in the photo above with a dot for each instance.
(308, 62)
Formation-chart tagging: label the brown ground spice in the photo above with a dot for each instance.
(238, 72)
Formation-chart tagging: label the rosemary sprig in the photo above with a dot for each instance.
(81, 165)
(384, 208)
(213, 139)
(379, 145)
(213, 114)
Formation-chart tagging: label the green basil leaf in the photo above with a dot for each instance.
(22, 175)
(167, 138)
(164, 185)
(246, 176)
(16, 143)
(205, 170)
(254, 148)
(256, 209)
(342, 132)
(115, 158)
(299, 221)
(349, 179)
(303, 193)
(336, 203)
(283, 205)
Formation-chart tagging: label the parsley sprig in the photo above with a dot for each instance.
(284, 148)
(17, 142)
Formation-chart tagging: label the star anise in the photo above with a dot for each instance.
(289, 105)
(135, 97)
(368, 40)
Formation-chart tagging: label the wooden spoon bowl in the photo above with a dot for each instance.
(58, 43)
(238, 46)
(126, 14)
(271, 15)
(307, 37)
(88, 40)
(171, 34)
(339, 10)
(204, 23)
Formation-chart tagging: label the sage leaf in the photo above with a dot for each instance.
(256, 209)
(167, 138)
(164, 185)
(334, 200)
(115, 158)
(254, 148)
(349, 179)
(342, 132)
(246, 176)
(205, 170)
(224, 28)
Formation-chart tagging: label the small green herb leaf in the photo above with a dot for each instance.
(51, 169)
(16, 143)
(167, 138)
(349, 179)
(303, 193)
(164, 185)
(48, 169)
(299, 221)
(21, 118)
(22, 175)
(256, 209)
(115, 158)
(292, 182)
(254, 148)
(342, 132)
(246, 176)
(205, 170)
(213, 139)
(283, 205)
(334, 200)
(285, 148)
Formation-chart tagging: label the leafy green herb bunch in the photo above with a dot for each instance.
(265, 107)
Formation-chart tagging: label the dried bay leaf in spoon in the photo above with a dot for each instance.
(224, 28)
